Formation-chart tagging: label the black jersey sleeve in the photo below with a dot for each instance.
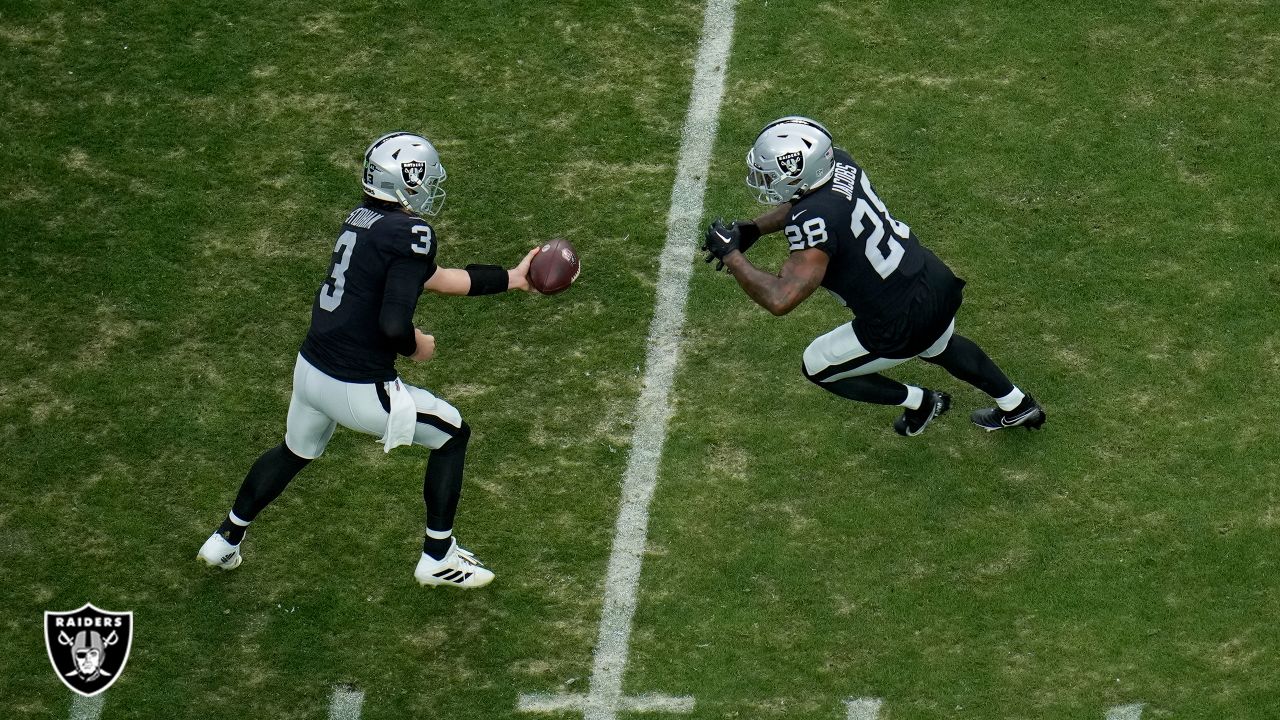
(413, 251)
(399, 299)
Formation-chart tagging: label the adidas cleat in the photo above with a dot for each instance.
(913, 422)
(217, 552)
(458, 568)
(1028, 414)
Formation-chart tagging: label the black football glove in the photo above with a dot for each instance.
(720, 241)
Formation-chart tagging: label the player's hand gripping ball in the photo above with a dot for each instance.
(554, 268)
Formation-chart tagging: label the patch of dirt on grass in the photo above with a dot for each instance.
(109, 330)
(582, 177)
(1236, 654)
(729, 461)
(325, 23)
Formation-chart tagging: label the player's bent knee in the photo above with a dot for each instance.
(306, 448)
(810, 376)
(459, 440)
(441, 439)
(812, 363)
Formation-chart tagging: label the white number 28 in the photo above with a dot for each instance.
(815, 233)
(883, 262)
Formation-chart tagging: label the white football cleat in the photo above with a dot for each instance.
(458, 568)
(217, 552)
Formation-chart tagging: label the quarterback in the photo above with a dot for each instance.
(361, 319)
(904, 299)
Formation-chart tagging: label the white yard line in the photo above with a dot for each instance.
(541, 703)
(863, 708)
(604, 698)
(653, 408)
(346, 704)
(87, 708)
(653, 703)
(1125, 712)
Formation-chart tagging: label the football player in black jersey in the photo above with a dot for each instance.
(904, 299)
(361, 319)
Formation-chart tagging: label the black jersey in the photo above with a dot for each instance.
(903, 297)
(380, 262)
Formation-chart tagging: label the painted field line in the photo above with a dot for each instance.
(534, 703)
(87, 708)
(653, 408)
(697, 139)
(540, 703)
(346, 703)
(1125, 712)
(863, 708)
(652, 703)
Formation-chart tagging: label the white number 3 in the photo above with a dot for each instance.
(331, 296)
(422, 245)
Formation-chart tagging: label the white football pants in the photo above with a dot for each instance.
(320, 403)
(839, 354)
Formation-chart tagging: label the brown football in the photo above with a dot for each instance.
(554, 268)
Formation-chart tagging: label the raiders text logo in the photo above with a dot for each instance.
(412, 171)
(791, 163)
(88, 647)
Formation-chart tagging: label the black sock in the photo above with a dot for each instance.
(436, 547)
(231, 532)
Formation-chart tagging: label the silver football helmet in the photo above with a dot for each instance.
(405, 168)
(791, 156)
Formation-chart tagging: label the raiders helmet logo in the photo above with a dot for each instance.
(791, 163)
(88, 647)
(412, 172)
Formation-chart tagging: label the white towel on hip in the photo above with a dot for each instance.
(401, 419)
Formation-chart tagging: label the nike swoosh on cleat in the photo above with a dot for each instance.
(1018, 420)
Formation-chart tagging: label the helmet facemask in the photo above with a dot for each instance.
(763, 180)
(426, 198)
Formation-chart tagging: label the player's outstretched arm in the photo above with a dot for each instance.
(781, 293)
(481, 279)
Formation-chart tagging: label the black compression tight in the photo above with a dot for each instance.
(966, 361)
(873, 388)
(442, 486)
(266, 480)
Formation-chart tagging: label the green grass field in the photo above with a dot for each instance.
(1104, 175)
